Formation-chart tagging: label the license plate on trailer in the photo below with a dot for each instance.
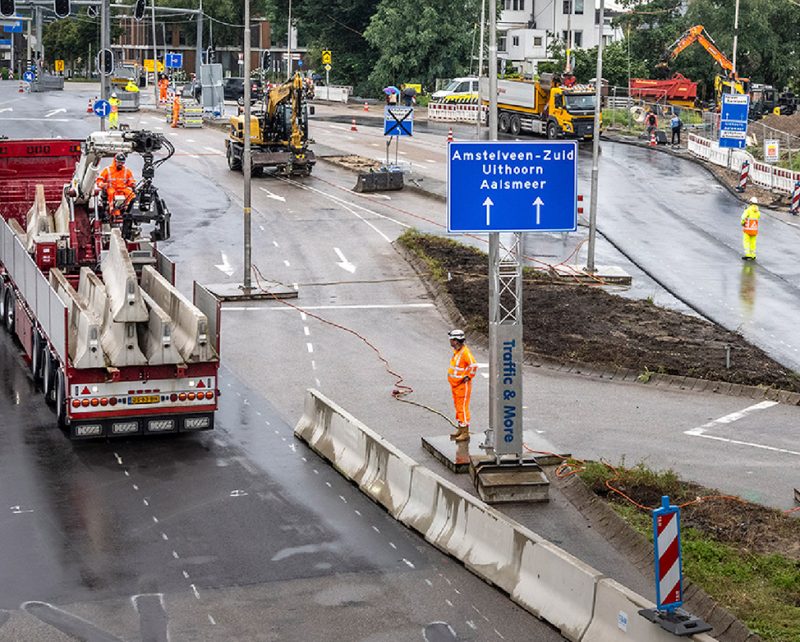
(145, 399)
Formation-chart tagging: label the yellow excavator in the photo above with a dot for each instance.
(278, 131)
(727, 83)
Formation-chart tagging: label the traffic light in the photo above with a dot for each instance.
(105, 61)
(7, 8)
(62, 8)
(138, 11)
(266, 57)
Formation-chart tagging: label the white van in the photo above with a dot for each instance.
(466, 85)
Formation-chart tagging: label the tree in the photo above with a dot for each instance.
(419, 42)
(69, 39)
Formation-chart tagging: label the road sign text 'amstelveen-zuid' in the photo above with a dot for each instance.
(667, 541)
(495, 186)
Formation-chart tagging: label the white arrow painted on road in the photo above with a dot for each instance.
(226, 267)
(273, 196)
(538, 203)
(344, 263)
(488, 205)
(53, 112)
(6, 109)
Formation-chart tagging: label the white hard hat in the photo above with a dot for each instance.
(113, 94)
(754, 200)
(456, 334)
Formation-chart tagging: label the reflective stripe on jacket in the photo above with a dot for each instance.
(750, 219)
(462, 364)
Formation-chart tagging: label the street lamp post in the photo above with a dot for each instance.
(598, 110)
(246, 168)
(289, 44)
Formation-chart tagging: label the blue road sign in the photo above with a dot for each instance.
(14, 28)
(398, 121)
(173, 61)
(102, 108)
(28, 76)
(733, 120)
(512, 186)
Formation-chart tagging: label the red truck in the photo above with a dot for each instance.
(678, 90)
(113, 345)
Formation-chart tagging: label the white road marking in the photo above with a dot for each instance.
(366, 306)
(6, 109)
(155, 519)
(347, 129)
(213, 150)
(53, 112)
(185, 575)
(211, 619)
(146, 503)
(701, 430)
(52, 120)
(448, 602)
(275, 243)
(343, 262)
(175, 555)
(269, 194)
(164, 537)
(430, 160)
(238, 493)
(306, 331)
(17, 510)
(310, 347)
(195, 591)
(190, 140)
(225, 266)
(408, 563)
(286, 263)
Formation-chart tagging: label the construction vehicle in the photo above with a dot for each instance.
(278, 132)
(543, 107)
(113, 345)
(727, 83)
(765, 99)
(678, 90)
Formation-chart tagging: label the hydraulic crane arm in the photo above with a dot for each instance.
(699, 34)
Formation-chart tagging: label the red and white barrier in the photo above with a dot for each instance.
(794, 207)
(744, 174)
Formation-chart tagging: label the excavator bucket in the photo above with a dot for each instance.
(385, 179)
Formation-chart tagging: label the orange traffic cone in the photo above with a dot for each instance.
(366, 106)
(450, 135)
(353, 127)
(653, 142)
(89, 109)
(21, 89)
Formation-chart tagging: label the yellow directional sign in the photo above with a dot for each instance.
(59, 65)
(326, 57)
(148, 65)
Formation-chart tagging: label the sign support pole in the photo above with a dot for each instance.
(246, 161)
(104, 46)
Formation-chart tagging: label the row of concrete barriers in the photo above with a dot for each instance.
(539, 576)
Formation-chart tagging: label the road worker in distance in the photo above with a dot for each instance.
(750, 218)
(462, 371)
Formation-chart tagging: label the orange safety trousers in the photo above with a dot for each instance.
(462, 365)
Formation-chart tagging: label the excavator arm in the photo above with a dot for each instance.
(699, 34)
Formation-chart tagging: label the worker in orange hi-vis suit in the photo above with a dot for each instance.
(462, 371)
(117, 179)
(163, 85)
(176, 109)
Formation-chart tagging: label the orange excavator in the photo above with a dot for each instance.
(730, 82)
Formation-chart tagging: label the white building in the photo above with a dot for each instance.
(527, 28)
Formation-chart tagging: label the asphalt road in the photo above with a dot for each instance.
(291, 558)
(240, 534)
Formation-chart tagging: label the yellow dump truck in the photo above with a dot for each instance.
(543, 107)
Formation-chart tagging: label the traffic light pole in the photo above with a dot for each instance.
(246, 161)
(105, 37)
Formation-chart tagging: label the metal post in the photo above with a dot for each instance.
(28, 47)
(246, 162)
(199, 54)
(104, 44)
(596, 145)
(155, 53)
(735, 36)
(289, 44)
(569, 37)
(480, 64)
(39, 45)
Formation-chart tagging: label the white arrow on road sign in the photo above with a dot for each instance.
(538, 203)
(488, 204)
(344, 263)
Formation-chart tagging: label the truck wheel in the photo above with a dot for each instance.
(233, 163)
(61, 401)
(9, 312)
(48, 377)
(514, 125)
(552, 130)
(36, 356)
(2, 301)
(503, 122)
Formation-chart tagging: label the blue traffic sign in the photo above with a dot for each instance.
(733, 120)
(512, 186)
(13, 28)
(173, 61)
(398, 121)
(102, 108)
(28, 76)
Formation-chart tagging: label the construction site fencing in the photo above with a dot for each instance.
(456, 112)
(762, 174)
(333, 93)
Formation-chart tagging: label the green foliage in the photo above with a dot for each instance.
(421, 41)
(69, 39)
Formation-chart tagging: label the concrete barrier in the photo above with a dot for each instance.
(557, 587)
(120, 341)
(539, 576)
(84, 326)
(126, 304)
(190, 334)
(616, 617)
(155, 337)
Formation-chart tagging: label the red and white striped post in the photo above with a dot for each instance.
(743, 176)
(669, 575)
(794, 208)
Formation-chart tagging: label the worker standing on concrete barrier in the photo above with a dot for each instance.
(462, 371)
(750, 218)
(117, 180)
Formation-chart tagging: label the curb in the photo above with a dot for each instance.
(444, 302)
